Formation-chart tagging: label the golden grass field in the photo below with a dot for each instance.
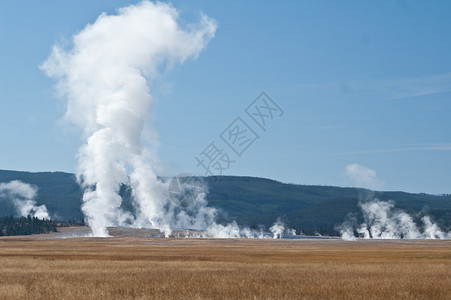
(158, 268)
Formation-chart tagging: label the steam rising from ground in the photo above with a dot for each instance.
(22, 195)
(105, 77)
(277, 229)
(381, 219)
(384, 221)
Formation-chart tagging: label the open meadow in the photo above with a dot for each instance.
(36, 267)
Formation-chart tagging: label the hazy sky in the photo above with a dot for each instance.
(358, 82)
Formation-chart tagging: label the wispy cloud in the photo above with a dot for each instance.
(400, 88)
(420, 147)
(390, 88)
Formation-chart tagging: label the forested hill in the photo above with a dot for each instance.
(309, 208)
(248, 200)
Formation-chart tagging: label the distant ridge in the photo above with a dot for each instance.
(250, 201)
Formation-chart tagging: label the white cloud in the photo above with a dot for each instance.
(363, 177)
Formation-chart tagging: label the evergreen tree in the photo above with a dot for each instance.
(25, 225)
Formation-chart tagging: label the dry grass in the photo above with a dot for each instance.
(137, 268)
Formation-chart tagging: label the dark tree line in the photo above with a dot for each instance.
(25, 225)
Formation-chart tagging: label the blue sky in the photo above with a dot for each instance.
(359, 82)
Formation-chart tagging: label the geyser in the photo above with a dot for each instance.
(105, 77)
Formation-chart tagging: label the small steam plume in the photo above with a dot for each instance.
(277, 229)
(105, 77)
(384, 221)
(188, 209)
(381, 219)
(22, 195)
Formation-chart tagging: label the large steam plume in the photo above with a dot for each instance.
(105, 77)
(22, 196)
